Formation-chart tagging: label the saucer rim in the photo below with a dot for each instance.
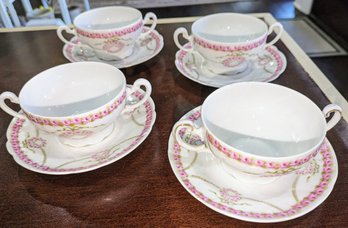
(139, 61)
(11, 151)
(313, 204)
(187, 75)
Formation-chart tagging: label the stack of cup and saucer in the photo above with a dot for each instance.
(115, 35)
(256, 151)
(225, 48)
(77, 117)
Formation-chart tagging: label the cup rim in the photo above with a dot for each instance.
(255, 40)
(101, 107)
(140, 18)
(246, 154)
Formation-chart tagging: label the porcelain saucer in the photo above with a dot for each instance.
(268, 66)
(286, 198)
(145, 49)
(42, 153)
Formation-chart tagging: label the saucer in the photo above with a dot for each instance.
(41, 152)
(144, 50)
(268, 66)
(286, 198)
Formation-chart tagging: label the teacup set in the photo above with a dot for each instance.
(243, 152)
(225, 48)
(256, 151)
(73, 116)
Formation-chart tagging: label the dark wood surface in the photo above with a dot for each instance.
(140, 189)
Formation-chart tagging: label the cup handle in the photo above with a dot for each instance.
(69, 30)
(190, 50)
(270, 30)
(188, 37)
(332, 108)
(14, 99)
(188, 124)
(147, 18)
(136, 87)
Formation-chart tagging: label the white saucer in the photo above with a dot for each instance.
(42, 153)
(269, 65)
(144, 50)
(286, 198)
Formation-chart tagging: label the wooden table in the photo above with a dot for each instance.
(141, 189)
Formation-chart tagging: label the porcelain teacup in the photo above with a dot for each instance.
(109, 32)
(259, 131)
(227, 42)
(78, 102)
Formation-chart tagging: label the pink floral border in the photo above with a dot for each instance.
(16, 144)
(326, 177)
(227, 48)
(78, 121)
(248, 160)
(280, 63)
(272, 50)
(122, 32)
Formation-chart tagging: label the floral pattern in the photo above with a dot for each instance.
(81, 133)
(280, 168)
(36, 142)
(73, 53)
(264, 60)
(190, 138)
(226, 48)
(80, 120)
(229, 196)
(279, 64)
(102, 155)
(249, 160)
(113, 45)
(233, 61)
(122, 32)
(311, 169)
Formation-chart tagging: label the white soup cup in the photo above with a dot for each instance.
(260, 131)
(109, 32)
(227, 42)
(78, 102)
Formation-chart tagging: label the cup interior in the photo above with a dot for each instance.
(264, 119)
(115, 17)
(71, 89)
(229, 28)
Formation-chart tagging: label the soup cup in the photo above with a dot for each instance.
(78, 102)
(227, 42)
(260, 131)
(109, 32)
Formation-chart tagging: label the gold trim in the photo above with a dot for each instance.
(269, 204)
(112, 148)
(294, 187)
(242, 197)
(136, 122)
(205, 180)
(193, 160)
